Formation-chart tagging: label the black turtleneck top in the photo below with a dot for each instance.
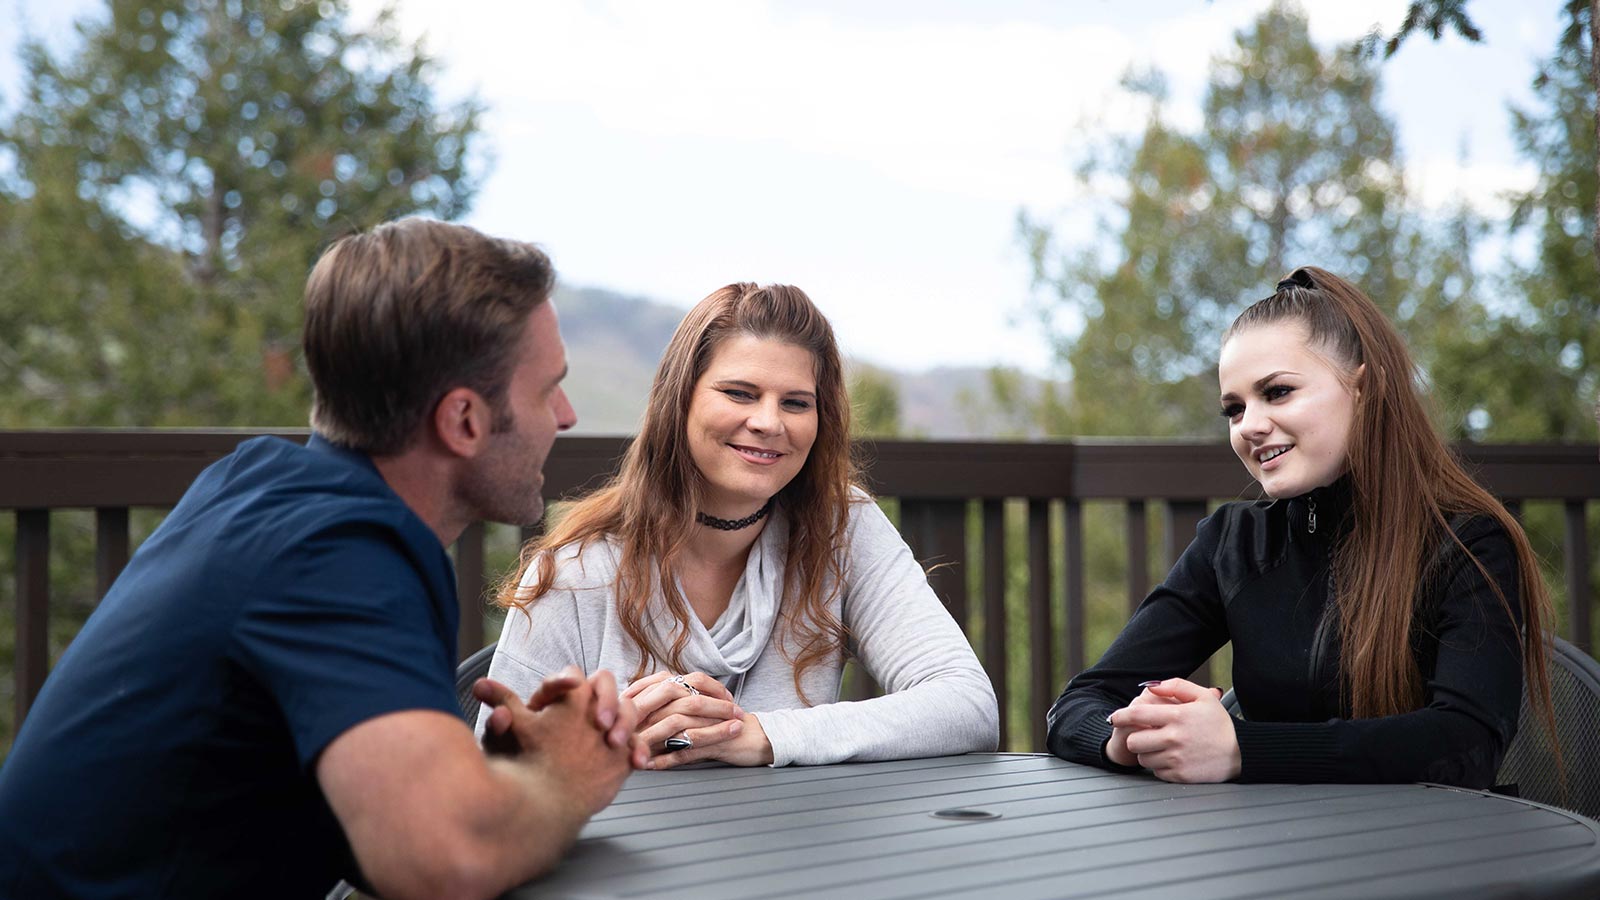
(1259, 575)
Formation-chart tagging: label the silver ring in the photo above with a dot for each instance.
(679, 679)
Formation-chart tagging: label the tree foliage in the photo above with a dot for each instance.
(1435, 17)
(876, 403)
(1295, 164)
(171, 181)
(1531, 367)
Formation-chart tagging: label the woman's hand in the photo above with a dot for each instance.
(1182, 734)
(1117, 747)
(739, 742)
(696, 707)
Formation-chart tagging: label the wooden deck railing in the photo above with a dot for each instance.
(953, 500)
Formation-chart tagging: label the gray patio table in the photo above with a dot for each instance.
(1029, 826)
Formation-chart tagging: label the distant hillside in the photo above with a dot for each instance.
(615, 341)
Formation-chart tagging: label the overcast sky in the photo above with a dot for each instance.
(875, 154)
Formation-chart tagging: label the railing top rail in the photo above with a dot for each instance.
(139, 467)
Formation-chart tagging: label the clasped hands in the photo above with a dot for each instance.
(514, 727)
(698, 708)
(1179, 731)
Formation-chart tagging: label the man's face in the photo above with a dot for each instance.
(506, 481)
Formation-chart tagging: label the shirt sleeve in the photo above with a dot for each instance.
(937, 700)
(346, 630)
(1471, 703)
(1176, 629)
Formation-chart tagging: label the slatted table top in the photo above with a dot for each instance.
(868, 830)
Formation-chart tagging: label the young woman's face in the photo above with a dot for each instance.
(752, 420)
(1289, 408)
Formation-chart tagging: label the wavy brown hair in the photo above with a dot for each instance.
(1406, 484)
(649, 505)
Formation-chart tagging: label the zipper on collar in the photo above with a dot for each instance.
(1311, 515)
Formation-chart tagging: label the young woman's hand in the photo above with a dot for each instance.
(1117, 748)
(1181, 734)
(739, 742)
(695, 707)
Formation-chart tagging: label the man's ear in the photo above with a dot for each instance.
(461, 422)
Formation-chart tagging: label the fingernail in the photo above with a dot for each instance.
(649, 764)
(1108, 717)
(736, 727)
(608, 718)
(1145, 684)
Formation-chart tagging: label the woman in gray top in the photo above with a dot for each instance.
(733, 564)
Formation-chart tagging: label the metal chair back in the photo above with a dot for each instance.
(1530, 762)
(471, 669)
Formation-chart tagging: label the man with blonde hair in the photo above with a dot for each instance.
(264, 702)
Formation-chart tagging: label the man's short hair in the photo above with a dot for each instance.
(399, 316)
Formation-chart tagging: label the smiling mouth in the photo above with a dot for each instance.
(1267, 456)
(756, 453)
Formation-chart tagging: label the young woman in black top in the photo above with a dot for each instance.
(1384, 609)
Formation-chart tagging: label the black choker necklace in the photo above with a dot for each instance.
(734, 524)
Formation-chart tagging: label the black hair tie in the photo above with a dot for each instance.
(1299, 278)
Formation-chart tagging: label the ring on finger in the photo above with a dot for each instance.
(679, 741)
(679, 679)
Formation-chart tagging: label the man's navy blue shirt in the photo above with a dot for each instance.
(171, 753)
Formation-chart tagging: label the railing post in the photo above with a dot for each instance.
(1041, 675)
(1183, 519)
(110, 546)
(469, 589)
(33, 607)
(1138, 555)
(994, 607)
(1077, 608)
(936, 531)
(1577, 571)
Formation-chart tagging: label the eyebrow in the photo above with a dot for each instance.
(741, 383)
(1260, 383)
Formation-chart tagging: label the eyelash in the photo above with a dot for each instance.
(792, 405)
(1271, 392)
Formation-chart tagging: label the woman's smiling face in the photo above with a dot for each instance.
(1289, 407)
(752, 421)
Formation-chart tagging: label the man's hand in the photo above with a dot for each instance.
(563, 744)
(614, 716)
(1181, 733)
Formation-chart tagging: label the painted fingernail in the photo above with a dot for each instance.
(1108, 717)
(1145, 684)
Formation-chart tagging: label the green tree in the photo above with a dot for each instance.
(1530, 368)
(1580, 40)
(1295, 164)
(876, 403)
(1548, 347)
(172, 180)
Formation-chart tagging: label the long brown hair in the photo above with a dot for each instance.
(1406, 484)
(649, 505)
